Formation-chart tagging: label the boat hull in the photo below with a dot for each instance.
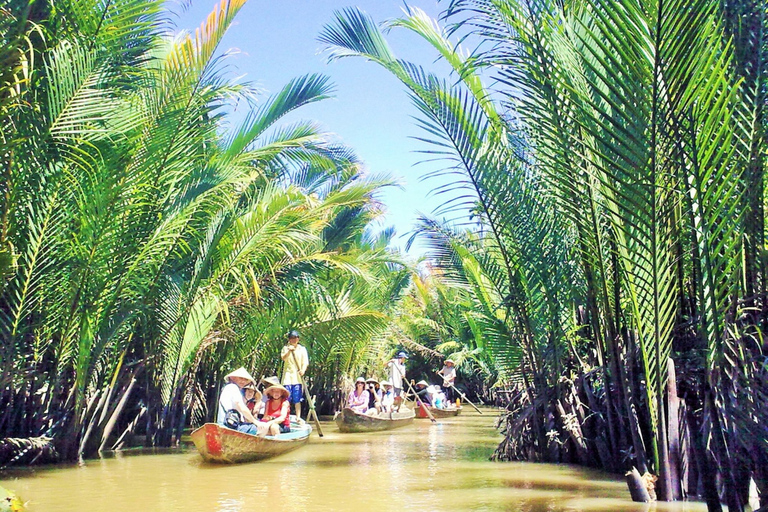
(421, 412)
(223, 445)
(350, 421)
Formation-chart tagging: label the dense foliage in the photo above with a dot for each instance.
(147, 247)
(616, 268)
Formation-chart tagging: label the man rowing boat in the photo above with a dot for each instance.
(396, 368)
(296, 360)
(448, 372)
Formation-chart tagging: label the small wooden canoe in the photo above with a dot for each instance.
(221, 444)
(437, 413)
(351, 421)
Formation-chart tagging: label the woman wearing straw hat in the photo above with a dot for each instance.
(233, 412)
(358, 397)
(277, 418)
(449, 376)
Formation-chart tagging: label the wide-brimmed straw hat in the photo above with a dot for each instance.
(271, 381)
(359, 379)
(386, 383)
(422, 383)
(450, 361)
(239, 373)
(278, 387)
(371, 379)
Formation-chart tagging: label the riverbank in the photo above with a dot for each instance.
(419, 467)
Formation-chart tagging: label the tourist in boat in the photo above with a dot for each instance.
(396, 369)
(233, 412)
(296, 360)
(358, 397)
(424, 392)
(277, 411)
(431, 395)
(265, 383)
(374, 396)
(448, 372)
(252, 397)
(387, 396)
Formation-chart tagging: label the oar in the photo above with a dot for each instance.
(312, 412)
(462, 394)
(418, 400)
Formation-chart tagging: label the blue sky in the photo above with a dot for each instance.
(371, 112)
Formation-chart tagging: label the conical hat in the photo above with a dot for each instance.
(284, 391)
(272, 381)
(240, 372)
(422, 383)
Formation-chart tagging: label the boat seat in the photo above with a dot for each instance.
(296, 432)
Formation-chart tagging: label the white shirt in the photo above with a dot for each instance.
(388, 400)
(396, 373)
(230, 396)
(449, 374)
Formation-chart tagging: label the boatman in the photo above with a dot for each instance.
(396, 369)
(449, 377)
(296, 360)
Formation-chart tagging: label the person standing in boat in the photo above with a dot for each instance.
(233, 411)
(277, 419)
(448, 373)
(358, 397)
(296, 360)
(396, 368)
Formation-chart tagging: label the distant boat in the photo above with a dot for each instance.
(217, 443)
(351, 421)
(437, 413)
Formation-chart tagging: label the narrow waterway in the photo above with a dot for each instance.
(420, 467)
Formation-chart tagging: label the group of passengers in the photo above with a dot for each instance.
(244, 408)
(371, 397)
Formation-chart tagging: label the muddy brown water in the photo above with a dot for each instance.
(422, 467)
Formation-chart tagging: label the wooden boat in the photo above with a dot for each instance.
(217, 443)
(351, 421)
(437, 413)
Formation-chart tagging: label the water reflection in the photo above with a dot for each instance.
(421, 467)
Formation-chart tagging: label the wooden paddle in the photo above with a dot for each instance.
(312, 413)
(460, 393)
(418, 400)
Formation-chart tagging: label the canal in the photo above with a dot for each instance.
(422, 467)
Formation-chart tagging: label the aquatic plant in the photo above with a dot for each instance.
(146, 247)
(614, 175)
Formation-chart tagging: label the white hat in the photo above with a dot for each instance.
(422, 383)
(241, 373)
(386, 383)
